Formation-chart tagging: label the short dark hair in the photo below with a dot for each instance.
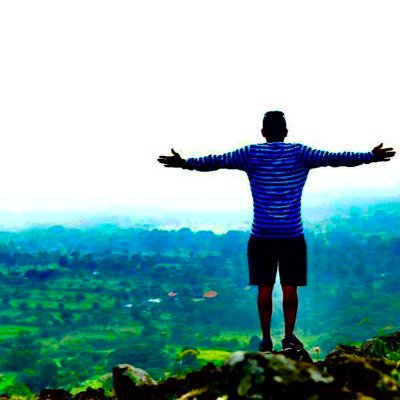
(274, 124)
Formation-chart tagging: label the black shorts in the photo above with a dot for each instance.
(265, 254)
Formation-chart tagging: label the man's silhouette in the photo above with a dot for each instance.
(277, 172)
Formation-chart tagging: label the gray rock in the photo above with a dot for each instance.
(126, 377)
(254, 375)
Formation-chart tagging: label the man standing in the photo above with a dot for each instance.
(277, 172)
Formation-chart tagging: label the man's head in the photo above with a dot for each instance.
(274, 126)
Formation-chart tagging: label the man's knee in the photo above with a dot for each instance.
(289, 290)
(268, 287)
(265, 294)
(289, 295)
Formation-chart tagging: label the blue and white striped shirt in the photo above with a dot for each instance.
(277, 172)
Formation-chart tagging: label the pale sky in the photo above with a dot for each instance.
(92, 92)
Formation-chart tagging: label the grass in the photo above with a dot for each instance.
(9, 330)
(218, 357)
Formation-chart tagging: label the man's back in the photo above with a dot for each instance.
(277, 172)
(277, 176)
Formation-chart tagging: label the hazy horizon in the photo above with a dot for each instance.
(219, 220)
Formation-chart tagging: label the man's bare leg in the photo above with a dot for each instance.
(290, 305)
(264, 302)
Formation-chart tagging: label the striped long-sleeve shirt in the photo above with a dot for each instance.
(277, 172)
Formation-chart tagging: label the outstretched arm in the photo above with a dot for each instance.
(237, 159)
(318, 158)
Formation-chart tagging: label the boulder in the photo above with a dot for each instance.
(126, 378)
(274, 376)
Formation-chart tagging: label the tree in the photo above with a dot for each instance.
(63, 261)
(6, 297)
(22, 353)
(46, 375)
(67, 316)
(23, 306)
(154, 361)
(80, 297)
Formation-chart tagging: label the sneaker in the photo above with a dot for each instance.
(291, 343)
(265, 346)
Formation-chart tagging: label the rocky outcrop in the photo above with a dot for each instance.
(253, 375)
(347, 373)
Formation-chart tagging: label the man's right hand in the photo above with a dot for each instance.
(175, 161)
(381, 154)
